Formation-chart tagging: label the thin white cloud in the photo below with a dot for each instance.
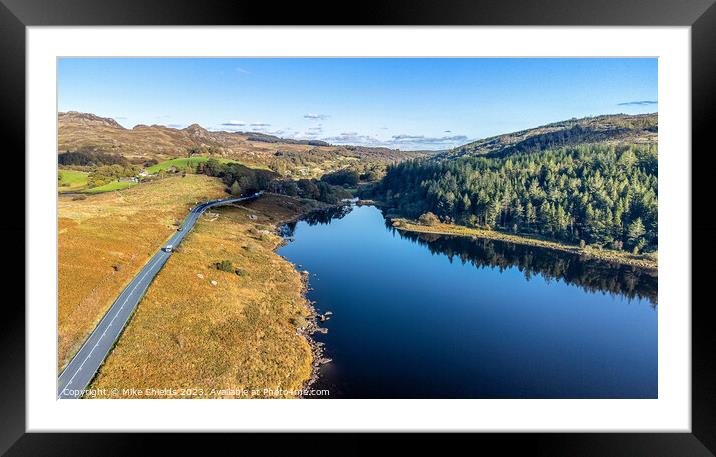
(353, 138)
(421, 139)
(234, 123)
(316, 117)
(401, 141)
(638, 103)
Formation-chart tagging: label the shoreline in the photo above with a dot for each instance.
(255, 304)
(312, 326)
(607, 255)
(308, 331)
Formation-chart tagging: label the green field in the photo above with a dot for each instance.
(116, 185)
(184, 162)
(71, 180)
(76, 181)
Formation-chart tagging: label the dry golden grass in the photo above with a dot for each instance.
(231, 339)
(118, 229)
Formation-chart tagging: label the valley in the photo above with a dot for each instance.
(234, 310)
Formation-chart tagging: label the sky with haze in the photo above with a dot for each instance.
(400, 103)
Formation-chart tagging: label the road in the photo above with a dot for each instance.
(79, 372)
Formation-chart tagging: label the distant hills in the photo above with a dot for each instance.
(89, 132)
(607, 129)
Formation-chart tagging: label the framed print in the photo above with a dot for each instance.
(414, 219)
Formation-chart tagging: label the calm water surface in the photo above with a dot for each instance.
(425, 316)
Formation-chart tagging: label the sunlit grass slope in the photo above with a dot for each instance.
(105, 239)
(219, 332)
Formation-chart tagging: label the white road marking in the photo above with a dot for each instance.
(193, 216)
(113, 318)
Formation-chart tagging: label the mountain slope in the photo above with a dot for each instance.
(88, 132)
(585, 183)
(607, 129)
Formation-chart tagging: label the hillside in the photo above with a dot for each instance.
(88, 132)
(591, 183)
(607, 129)
(98, 254)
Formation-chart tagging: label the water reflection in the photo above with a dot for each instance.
(321, 216)
(590, 274)
(431, 316)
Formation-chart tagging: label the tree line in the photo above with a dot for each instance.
(90, 158)
(242, 180)
(602, 195)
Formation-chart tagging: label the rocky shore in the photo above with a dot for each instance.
(314, 318)
(312, 327)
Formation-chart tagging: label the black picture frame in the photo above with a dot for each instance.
(700, 15)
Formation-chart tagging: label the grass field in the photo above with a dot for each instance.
(76, 181)
(219, 332)
(647, 261)
(183, 163)
(72, 180)
(105, 239)
(116, 185)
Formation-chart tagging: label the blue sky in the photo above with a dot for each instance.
(403, 103)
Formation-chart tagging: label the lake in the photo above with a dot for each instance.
(430, 316)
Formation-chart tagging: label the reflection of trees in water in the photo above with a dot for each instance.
(320, 216)
(590, 274)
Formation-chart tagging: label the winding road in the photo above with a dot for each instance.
(79, 372)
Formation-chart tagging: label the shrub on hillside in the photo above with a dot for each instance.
(225, 265)
(428, 219)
